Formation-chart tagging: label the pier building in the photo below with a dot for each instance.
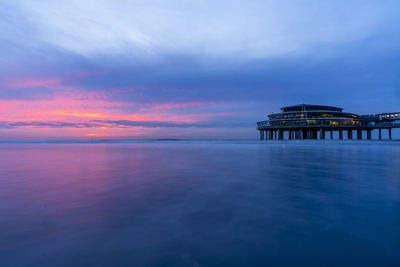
(317, 121)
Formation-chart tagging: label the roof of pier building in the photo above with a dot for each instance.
(307, 111)
(308, 107)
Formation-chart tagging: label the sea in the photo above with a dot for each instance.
(200, 203)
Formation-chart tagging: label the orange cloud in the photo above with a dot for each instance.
(97, 134)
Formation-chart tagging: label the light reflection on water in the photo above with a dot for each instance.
(200, 203)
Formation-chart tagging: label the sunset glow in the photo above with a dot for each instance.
(78, 110)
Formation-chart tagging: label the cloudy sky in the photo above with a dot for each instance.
(189, 69)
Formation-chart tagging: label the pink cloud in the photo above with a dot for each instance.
(22, 83)
(95, 113)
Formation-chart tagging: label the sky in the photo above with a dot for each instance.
(189, 69)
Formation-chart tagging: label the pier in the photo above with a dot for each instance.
(305, 121)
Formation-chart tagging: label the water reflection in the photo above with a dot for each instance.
(199, 203)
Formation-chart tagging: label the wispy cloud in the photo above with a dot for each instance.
(110, 124)
(154, 28)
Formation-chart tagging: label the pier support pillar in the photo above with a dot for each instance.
(261, 134)
(270, 135)
(359, 134)
(290, 135)
(390, 133)
(349, 134)
(322, 134)
(304, 133)
(280, 134)
(368, 134)
(315, 134)
(331, 134)
(380, 133)
(341, 134)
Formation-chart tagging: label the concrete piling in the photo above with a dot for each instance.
(322, 134)
(349, 134)
(359, 134)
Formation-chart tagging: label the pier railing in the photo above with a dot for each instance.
(323, 124)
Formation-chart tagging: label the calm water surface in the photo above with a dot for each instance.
(200, 204)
